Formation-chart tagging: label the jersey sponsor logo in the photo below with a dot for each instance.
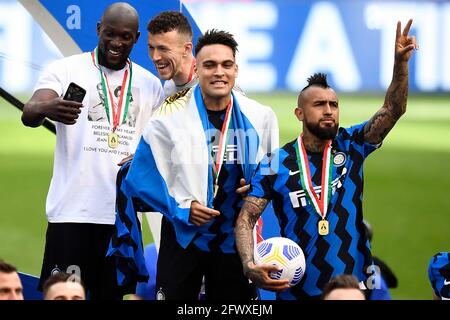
(299, 197)
(292, 173)
(231, 153)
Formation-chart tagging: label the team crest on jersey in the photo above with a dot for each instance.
(176, 102)
(160, 295)
(339, 159)
(55, 270)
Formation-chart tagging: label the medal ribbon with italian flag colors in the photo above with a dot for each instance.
(116, 116)
(217, 166)
(320, 205)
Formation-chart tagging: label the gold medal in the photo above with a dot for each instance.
(319, 204)
(216, 188)
(323, 227)
(116, 114)
(113, 140)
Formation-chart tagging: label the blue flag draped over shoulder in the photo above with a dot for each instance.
(172, 167)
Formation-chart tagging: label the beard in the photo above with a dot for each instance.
(323, 133)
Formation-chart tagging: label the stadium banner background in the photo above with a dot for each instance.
(280, 42)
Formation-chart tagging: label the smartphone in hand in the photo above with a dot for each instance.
(74, 93)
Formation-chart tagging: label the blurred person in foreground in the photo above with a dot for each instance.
(439, 275)
(63, 286)
(343, 287)
(10, 284)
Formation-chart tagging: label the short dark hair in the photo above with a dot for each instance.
(317, 79)
(60, 277)
(168, 21)
(215, 36)
(5, 267)
(343, 281)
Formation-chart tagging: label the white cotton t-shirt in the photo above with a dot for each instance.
(83, 186)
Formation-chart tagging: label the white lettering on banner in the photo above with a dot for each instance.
(374, 279)
(384, 16)
(444, 56)
(74, 19)
(324, 46)
(246, 21)
(15, 40)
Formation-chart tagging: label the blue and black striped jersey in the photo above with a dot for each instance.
(345, 249)
(218, 235)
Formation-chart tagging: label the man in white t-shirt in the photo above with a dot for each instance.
(92, 137)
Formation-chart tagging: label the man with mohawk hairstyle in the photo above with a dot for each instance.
(317, 182)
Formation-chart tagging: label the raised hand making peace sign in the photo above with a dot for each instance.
(394, 105)
(404, 44)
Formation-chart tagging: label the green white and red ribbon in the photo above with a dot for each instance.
(220, 155)
(320, 205)
(116, 115)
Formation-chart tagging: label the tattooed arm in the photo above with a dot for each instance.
(250, 213)
(394, 105)
(259, 274)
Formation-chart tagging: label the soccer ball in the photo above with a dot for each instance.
(284, 253)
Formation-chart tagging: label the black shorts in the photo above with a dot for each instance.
(81, 248)
(180, 272)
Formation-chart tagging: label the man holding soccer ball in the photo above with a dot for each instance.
(316, 185)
